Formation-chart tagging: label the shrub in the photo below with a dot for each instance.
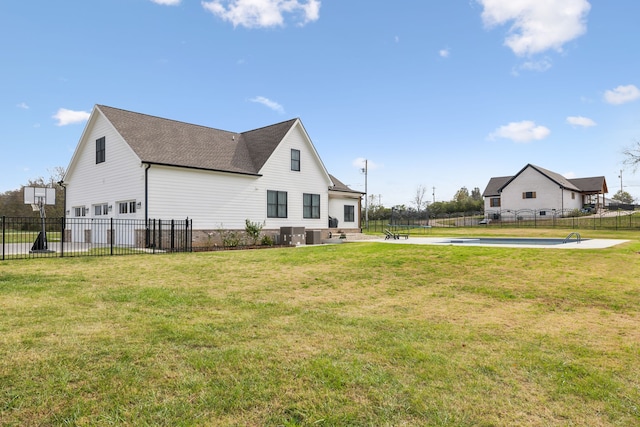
(267, 240)
(253, 230)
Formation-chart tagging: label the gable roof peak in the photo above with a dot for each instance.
(157, 140)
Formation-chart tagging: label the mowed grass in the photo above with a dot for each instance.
(336, 335)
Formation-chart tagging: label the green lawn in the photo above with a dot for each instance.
(353, 334)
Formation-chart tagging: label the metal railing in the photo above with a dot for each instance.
(603, 219)
(26, 237)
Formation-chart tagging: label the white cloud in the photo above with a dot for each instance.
(67, 117)
(524, 131)
(569, 175)
(167, 2)
(537, 25)
(622, 94)
(444, 53)
(263, 13)
(580, 121)
(268, 103)
(541, 65)
(23, 105)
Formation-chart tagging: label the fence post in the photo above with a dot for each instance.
(188, 234)
(62, 223)
(173, 234)
(3, 231)
(111, 236)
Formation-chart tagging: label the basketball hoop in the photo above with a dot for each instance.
(38, 197)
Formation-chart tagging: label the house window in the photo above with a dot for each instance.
(127, 207)
(100, 150)
(529, 195)
(80, 211)
(276, 204)
(543, 213)
(573, 196)
(311, 205)
(349, 213)
(494, 202)
(295, 160)
(102, 209)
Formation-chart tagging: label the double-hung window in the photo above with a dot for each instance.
(100, 150)
(349, 213)
(80, 211)
(127, 207)
(101, 209)
(295, 160)
(311, 205)
(494, 202)
(276, 204)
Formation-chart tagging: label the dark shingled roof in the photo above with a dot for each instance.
(168, 142)
(495, 185)
(339, 186)
(594, 185)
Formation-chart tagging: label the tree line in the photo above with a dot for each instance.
(421, 209)
(12, 201)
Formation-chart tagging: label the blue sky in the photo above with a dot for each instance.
(440, 94)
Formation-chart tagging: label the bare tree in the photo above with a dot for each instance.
(632, 156)
(418, 200)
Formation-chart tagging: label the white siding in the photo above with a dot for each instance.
(336, 210)
(549, 195)
(217, 200)
(213, 200)
(120, 177)
(312, 178)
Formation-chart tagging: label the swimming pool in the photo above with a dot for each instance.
(511, 241)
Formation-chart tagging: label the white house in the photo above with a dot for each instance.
(538, 190)
(132, 165)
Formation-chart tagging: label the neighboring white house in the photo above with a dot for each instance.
(132, 165)
(535, 189)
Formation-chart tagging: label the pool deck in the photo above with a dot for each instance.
(445, 241)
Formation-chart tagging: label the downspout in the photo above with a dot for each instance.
(146, 192)
(147, 237)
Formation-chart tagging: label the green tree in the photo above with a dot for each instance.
(12, 201)
(623, 197)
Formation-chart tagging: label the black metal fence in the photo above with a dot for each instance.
(23, 237)
(604, 219)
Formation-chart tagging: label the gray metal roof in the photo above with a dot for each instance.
(170, 142)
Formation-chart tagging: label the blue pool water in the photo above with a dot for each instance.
(508, 241)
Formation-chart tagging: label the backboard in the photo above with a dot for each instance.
(37, 195)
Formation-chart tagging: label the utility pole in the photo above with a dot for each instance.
(434, 194)
(366, 195)
(620, 176)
